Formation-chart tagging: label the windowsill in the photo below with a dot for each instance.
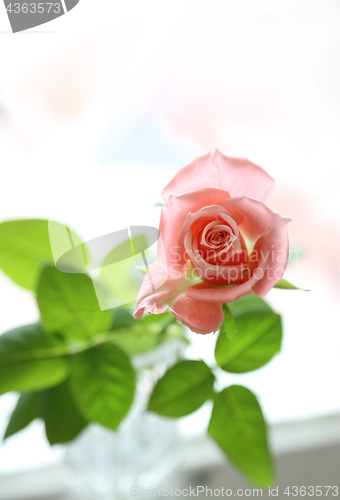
(199, 453)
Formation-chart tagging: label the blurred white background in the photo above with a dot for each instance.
(99, 108)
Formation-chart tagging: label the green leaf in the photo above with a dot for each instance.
(122, 318)
(30, 360)
(228, 327)
(63, 422)
(68, 304)
(25, 244)
(143, 334)
(182, 389)
(285, 285)
(162, 319)
(255, 341)
(248, 303)
(138, 344)
(103, 384)
(131, 342)
(26, 410)
(238, 427)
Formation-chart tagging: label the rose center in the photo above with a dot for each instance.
(217, 236)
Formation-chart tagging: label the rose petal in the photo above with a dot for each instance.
(174, 214)
(270, 230)
(212, 273)
(238, 176)
(202, 217)
(277, 259)
(200, 317)
(226, 294)
(159, 292)
(257, 219)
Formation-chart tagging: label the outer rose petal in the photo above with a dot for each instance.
(278, 238)
(158, 292)
(200, 317)
(256, 218)
(238, 176)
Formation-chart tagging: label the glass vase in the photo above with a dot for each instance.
(144, 453)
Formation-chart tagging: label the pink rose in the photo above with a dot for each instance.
(219, 242)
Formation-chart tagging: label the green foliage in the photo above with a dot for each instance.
(285, 285)
(182, 389)
(25, 244)
(30, 360)
(238, 427)
(122, 319)
(63, 422)
(249, 341)
(103, 384)
(248, 303)
(68, 304)
(27, 409)
(138, 336)
(137, 344)
(56, 407)
(228, 326)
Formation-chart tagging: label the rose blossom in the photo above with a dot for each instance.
(219, 242)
